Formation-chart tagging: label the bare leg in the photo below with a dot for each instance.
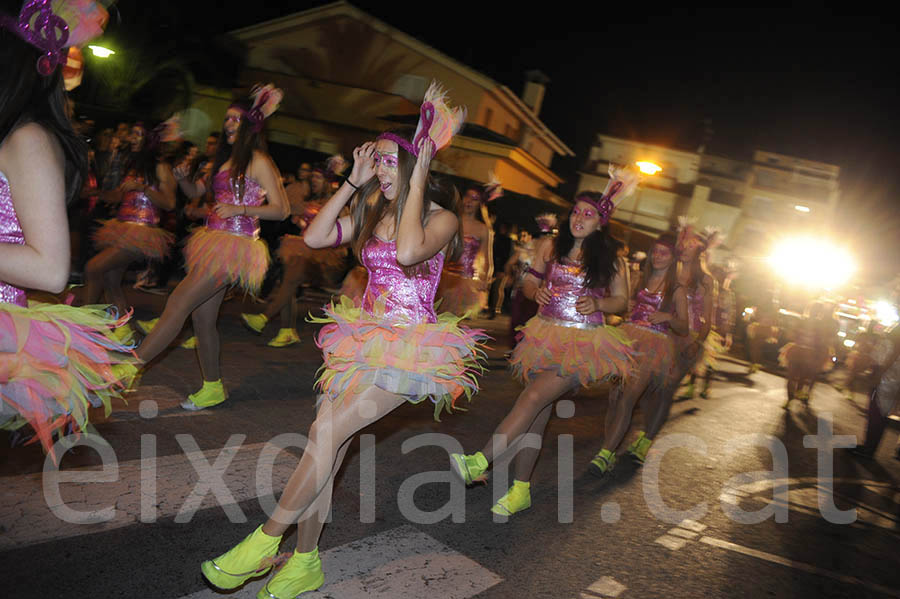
(204, 318)
(295, 273)
(530, 414)
(309, 529)
(334, 425)
(621, 407)
(193, 290)
(104, 273)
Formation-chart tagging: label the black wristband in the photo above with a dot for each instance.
(347, 180)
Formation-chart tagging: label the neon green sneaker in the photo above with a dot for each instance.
(638, 450)
(301, 573)
(189, 343)
(255, 322)
(603, 463)
(211, 394)
(470, 468)
(284, 338)
(688, 393)
(145, 326)
(518, 498)
(251, 557)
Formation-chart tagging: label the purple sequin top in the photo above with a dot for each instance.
(695, 309)
(471, 245)
(647, 303)
(566, 284)
(406, 299)
(137, 207)
(226, 191)
(10, 232)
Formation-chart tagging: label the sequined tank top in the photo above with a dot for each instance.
(471, 245)
(137, 208)
(647, 303)
(227, 191)
(10, 232)
(565, 281)
(406, 299)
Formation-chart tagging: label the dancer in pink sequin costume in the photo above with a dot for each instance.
(56, 361)
(389, 350)
(575, 279)
(227, 251)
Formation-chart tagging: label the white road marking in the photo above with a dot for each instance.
(804, 567)
(28, 518)
(670, 542)
(607, 587)
(401, 563)
(692, 525)
(684, 534)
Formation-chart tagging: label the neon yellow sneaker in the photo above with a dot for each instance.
(251, 557)
(211, 394)
(603, 463)
(470, 468)
(255, 322)
(284, 338)
(301, 573)
(518, 498)
(638, 450)
(145, 326)
(189, 343)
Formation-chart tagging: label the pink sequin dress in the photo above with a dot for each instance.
(394, 340)
(459, 287)
(560, 340)
(55, 359)
(653, 342)
(712, 346)
(136, 227)
(229, 250)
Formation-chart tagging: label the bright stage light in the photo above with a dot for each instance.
(648, 168)
(811, 262)
(800, 208)
(101, 52)
(886, 313)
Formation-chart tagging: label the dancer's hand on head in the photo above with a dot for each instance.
(542, 296)
(423, 163)
(228, 210)
(586, 304)
(363, 164)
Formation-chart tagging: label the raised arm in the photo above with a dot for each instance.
(417, 242)
(34, 165)
(323, 230)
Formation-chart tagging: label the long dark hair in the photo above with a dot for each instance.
(670, 280)
(143, 162)
(369, 205)
(699, 275)
(599, 251)
(26, 96)
(241, 151)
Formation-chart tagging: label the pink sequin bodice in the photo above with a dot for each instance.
(10, 232)
(695, 309)
(406, 299)
(137, 208)
(471, 245)
(566, 284)
(647, 303)
(226, 191)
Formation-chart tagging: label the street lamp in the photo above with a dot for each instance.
(647, 168)
(101, 52)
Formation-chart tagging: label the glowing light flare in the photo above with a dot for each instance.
(813, 263)
(101, 52)
(886, 313)
(648, 168)
(800, 208)
(849, 342)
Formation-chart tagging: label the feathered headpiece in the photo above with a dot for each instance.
(493, 189)
(622, 182)
(546, 222)
(437, 122)
(709, 238)
(266, 100)
(53, 26)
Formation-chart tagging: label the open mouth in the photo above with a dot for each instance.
(385, 185)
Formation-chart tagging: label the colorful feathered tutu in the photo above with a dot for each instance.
(227, 258)
(703, 359)
(805, 358)
(147, 240)
(655, 349)
(293, 246)
(594, 354)
(56, 362)
(438, 361)
(459, 295)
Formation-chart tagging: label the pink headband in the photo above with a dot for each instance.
(400, 142)
(605, 204)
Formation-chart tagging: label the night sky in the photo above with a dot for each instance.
(816, 85)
